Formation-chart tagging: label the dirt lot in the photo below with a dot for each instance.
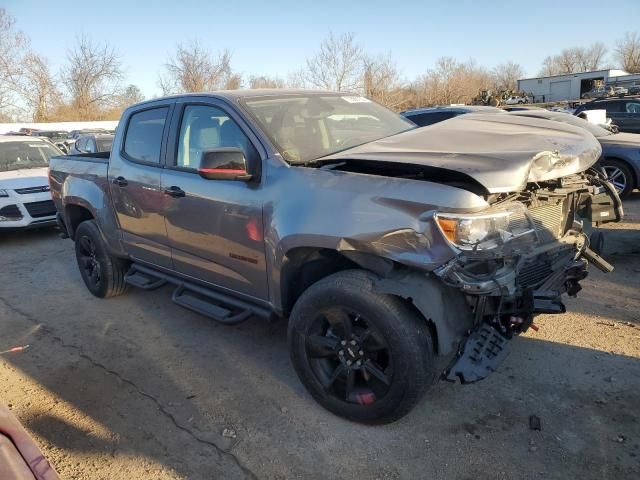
(138, 388)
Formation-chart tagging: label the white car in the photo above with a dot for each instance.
(25, 199)
(515, 100)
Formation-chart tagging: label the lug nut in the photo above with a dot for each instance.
(361, 352)
(349, 362)
(353, 342)
(343, 342)
(341, 353)
(359, 362)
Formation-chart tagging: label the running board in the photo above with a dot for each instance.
(205, 306)
(143, 280)
(211, 303)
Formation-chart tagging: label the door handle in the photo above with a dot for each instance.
(120, 181)
(175, 192)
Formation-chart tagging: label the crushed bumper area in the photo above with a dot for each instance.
(482, 353)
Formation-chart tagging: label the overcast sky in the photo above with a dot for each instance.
(274, 37)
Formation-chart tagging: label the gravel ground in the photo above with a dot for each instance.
(137, 388)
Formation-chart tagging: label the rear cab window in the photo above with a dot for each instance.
(143, 138)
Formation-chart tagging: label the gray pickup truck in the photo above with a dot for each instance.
(400, 255)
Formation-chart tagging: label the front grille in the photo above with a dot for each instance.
(10, 211)
(41, 209)
(548, 221)
(26, 191)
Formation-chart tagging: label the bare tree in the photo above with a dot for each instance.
(575, 60)
(506, 76)
(627, 52)
(337, 65)
(381, 81)
(591, 58)
(92, 77)
(37, 87)
(264, 81)
(13, 46)
(194, 69)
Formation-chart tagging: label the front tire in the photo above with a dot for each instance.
(362, 355)
(620, 176)
(103, 274)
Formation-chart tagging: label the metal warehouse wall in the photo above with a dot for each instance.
(567, 87)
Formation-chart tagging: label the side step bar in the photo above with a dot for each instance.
(220, 307)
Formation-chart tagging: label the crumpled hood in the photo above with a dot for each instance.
(501, 152)
(29, 177)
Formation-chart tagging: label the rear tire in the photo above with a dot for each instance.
(362, 355)
(102, 273)
(620, 175)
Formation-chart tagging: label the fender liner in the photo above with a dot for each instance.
(443, 306)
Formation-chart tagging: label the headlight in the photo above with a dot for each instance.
(489, 229)
(4, 193)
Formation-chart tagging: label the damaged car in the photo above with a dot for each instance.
(399, 255)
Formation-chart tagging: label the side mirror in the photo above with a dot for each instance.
(224, 164)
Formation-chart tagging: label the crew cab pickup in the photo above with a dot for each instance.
(399, 255)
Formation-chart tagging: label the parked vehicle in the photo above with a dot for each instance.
(624, 112)
(428, 116)
(634, 89)
(516, 100)
(598, 92)
(620, 151)
(92, 143)
(25, 200)
(74, 134)
(399, 254)
(620, 91)
(53, 135)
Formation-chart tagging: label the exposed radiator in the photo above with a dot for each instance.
(548, 221)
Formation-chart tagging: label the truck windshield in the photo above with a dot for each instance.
(21, 155)
(308, 127)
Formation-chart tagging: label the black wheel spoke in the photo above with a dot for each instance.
(85, 244)
(85, 262)
(340, 369)
(345, 322)
(351, 380)
(319, 346)
(94, 275)
(374, 370)
(372, 345)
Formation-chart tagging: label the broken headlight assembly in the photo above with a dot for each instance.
(489, 229)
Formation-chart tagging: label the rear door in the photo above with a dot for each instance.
(134, 176)
(630, 116)
(216, 229)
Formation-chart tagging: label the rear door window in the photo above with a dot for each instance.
(144, 135)
(632, 107)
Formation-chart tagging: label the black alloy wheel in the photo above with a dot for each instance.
(103, 274)
(361, 354)
(348, 356)
(88, 262)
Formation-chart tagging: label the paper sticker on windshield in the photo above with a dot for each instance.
(355, 99)
(37, 145)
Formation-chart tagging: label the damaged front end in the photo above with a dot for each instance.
(517, 258)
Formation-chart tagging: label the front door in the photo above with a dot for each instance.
(134, 182)
(215, 230)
